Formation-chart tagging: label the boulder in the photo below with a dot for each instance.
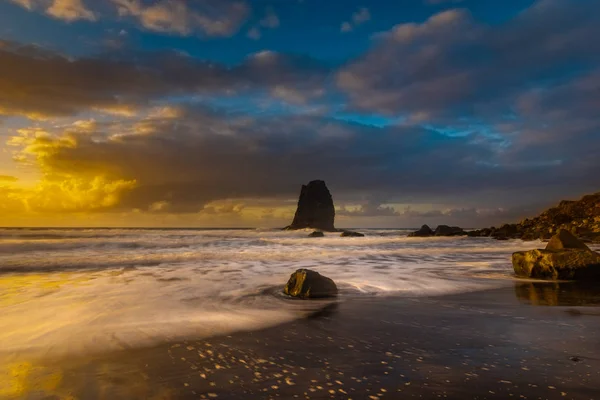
(565, 240)
(315, 208)
(423, 232)
(351, 234)
(445, 230)
(316, 234)
(567, 264)
(308, 284)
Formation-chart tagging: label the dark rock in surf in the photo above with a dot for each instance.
(308, 284)
(423, 232)
(351, 234)
(445, 230)
(315, 208)
(316, 234)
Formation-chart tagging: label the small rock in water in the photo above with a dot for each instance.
(307, 284)
(316, 234)
(423, 232)
(351, 234)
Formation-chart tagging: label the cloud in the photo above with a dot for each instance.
(254, 33)
(208, 17)
(450, 64)
(358, 18)
(8, 178)
(179, 17)
(66, 10)
(269, 21)
(38, 83)
(70, 10)
(179, 162)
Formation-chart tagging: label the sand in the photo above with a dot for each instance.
(534, 341)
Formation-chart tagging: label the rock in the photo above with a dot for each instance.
(308, 284)
(508, 231)
(316, 234)
(315, 208)
(445, 230)
(351, 234)
(423, 232)
(568, 264)
(581, 217)
(565, 240)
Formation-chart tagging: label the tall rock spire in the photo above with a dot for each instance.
(315, 208)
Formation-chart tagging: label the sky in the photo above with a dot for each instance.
(213, 113)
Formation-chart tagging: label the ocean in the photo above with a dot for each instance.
(78, 291)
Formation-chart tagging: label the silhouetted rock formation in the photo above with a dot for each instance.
(307, 284)
(423, 232)
(315, 208)
(445, 230)
(565, 257)
(441, 230)
(351, 234)
(316, 234)
(581, 217)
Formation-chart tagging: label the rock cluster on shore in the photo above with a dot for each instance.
(308, 284)
(564, 258)
(581, 217)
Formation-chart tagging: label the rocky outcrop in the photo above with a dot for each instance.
(564, 258)
(308, 284)
(581, 217)
(445, 230)
(316, 234)
(423, 232)
(351, 234)
(315, 208)
(441, 230)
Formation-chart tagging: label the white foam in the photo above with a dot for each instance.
(81, 291)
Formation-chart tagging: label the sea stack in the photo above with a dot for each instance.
(315, 208)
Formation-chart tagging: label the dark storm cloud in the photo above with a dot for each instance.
(201, 157)
(452, 65)
(37, 82)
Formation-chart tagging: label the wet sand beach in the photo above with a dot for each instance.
(533, 341)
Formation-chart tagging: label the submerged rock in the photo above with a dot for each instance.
(351, 234)
(308, 284)
(315, 208)
(565, 257)
(316, 234)
(423, 232)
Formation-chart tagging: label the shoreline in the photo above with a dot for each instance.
(484, 344)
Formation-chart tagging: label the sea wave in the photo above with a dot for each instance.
(109, 289)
